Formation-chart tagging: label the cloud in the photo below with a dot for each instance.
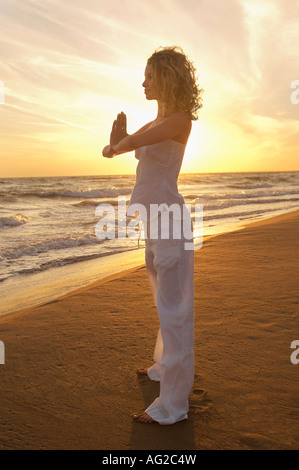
(74, 64)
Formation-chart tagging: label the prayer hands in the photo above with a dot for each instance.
(119, 129)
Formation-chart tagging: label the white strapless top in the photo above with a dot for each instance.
(156, 179)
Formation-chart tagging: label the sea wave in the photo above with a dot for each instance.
(67, 193)
(13, 220)
(231, 196)
(240, 215)
(243, 202)
(6, 197)
(88, 203)
(89, 193)
(249, 186)
(65, 261)
(56, 244)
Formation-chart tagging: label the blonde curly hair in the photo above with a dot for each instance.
(175, 80)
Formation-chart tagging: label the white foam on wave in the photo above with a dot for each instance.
(56, 244)
(50, 284)
(13, 220)
(89, 193)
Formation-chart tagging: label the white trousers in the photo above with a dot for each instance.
(170, 271)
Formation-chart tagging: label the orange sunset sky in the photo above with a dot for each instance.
(69, 66)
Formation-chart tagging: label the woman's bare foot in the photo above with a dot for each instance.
(144, 418)
(142, 371)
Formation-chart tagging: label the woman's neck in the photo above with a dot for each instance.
(163, 112)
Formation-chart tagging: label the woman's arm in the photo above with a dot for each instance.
(172, 127)
(110, 152)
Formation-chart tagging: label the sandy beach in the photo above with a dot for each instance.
(69, 380)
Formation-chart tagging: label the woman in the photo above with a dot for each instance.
(160, 145)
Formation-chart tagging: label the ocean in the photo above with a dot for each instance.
(47, 225)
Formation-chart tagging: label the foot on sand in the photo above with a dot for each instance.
(142, 371)
(144, 418)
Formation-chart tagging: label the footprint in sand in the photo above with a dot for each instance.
(258, 442)
(199, 392)
(199, 403)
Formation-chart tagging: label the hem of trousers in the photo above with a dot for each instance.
(154, 413)
(152, 375)
(158, 412)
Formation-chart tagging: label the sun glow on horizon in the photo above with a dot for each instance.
(68, 71)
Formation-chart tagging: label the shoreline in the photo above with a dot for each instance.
(67, 278)
(70, 364)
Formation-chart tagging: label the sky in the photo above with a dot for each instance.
(68, 67)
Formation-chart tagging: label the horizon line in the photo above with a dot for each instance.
(134, 174)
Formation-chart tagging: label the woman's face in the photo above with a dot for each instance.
(148, 84)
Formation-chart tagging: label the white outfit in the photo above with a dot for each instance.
(170, 270)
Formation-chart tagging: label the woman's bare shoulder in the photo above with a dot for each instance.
(144, 128)
(180, 118)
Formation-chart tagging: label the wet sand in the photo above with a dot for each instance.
(69, 380)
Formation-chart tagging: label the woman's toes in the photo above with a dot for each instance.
(143, 418)
(142, 371)
(148, 419)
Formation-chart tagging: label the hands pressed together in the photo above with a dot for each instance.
(118, 132)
